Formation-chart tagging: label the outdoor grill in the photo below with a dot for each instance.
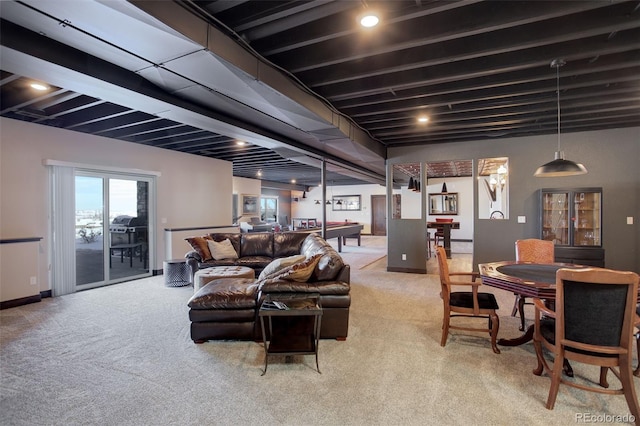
(126, 229)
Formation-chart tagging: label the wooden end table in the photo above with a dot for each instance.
(287, 341)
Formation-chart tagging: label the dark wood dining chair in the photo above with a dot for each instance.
(465, 303)
(637, 372)
(595, 312)
(439, 234)
(535, 251)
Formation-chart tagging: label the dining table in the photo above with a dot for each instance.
(526, 279)
(446, 231)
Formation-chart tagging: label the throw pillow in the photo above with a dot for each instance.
(300, 271)
(199, 244)
(279, 264)
(222, 250)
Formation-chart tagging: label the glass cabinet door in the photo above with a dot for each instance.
(555, 217)
(586, 219)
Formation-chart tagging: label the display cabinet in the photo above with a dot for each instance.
(572, 219)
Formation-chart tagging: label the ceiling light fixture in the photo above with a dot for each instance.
(369, 20)
(39, 86)
(241, 143)
(423, 119)
(559, 167)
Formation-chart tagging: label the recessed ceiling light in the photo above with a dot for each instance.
(293, 181)
(39, 86)
(369, 20)
(241, 143)
(423, 119)
(259, 173)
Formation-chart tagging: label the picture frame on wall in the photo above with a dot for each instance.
(250, 204)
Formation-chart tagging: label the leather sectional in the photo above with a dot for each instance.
(228, 308)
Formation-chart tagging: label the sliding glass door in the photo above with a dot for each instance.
(112, 232)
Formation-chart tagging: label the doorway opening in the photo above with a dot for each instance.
(112, 230)
(450, 197)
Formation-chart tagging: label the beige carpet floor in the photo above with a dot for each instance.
(122, 355)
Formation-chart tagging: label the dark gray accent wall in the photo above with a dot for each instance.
(612, 158)
(284, 203)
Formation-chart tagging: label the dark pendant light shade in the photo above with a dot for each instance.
(559, 167)
(444, 188)
(317, 201)
(412, 184)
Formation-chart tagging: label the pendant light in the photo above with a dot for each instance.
(412, 184)
(559, 167)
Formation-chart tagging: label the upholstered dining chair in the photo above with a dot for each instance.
(536, 251)
(595, 312)
(465, 303)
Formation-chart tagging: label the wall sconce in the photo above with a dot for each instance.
(493, 182)
(491, 188)
(502, 172)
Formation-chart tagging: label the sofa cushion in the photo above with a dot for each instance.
(224, 262)
(256, 244)
(279, 264)
(255, 262)
(287, 243)
(329, 265)
(222, 250)
(335, 288)
(299, 272)
(201, 247)
(234, 237)
(226, 293)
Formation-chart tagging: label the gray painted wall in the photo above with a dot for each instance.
(612, 158)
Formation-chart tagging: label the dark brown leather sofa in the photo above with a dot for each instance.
(228, 308)
(255, 249)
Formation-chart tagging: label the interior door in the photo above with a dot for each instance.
(379, 215)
